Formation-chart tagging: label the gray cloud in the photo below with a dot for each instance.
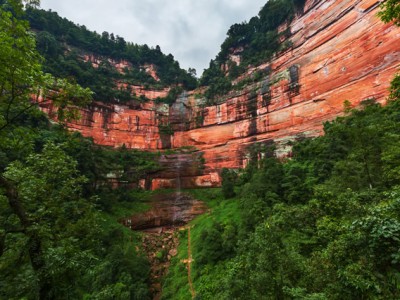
(192, 31)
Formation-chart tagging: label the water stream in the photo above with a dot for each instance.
(178, 193)
(168, 213)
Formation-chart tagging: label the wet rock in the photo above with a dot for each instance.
(159, 255)
(173, 252)
(167, 210)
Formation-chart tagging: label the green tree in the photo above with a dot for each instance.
(228, 183)
(390, 11)
(47, 44)
(322, 225)
(21, 75)
(52, 224)
(39, 194)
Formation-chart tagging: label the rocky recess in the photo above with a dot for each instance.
(339, 51)
(172, 209)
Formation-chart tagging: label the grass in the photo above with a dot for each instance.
(137, 201)
(223, 211)
(176, 284)
(127, 209)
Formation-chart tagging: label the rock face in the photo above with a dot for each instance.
(167, 210)
(135, 125)
(339, 51)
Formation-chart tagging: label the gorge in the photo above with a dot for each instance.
(275, 175)
(335, 51)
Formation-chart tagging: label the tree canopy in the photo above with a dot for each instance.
(390, 11)
(256, 41)
(58, 238)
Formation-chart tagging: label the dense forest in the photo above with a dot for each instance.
(59, 235)
(63, 44)
(321, 224)
(324, 224)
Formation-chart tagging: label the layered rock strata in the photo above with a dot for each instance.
(167, 210)
(337, 50)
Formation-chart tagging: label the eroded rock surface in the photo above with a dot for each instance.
(160, 247)
(340, 51)
(172, 209)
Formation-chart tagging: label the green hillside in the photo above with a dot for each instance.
(256, 41)
(64, 44)
(323, 223)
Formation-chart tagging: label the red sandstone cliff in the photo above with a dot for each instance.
(341, 51)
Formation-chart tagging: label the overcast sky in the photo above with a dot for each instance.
(191, 30)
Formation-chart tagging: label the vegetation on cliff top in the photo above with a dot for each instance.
(390, 11)
(64, 44)
(322, 225)
(255, 42)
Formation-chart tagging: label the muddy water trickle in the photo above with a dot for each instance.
(168, 213)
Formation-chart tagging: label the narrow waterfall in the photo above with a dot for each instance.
(178, 193)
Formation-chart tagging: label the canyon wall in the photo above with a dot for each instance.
(338, 50)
